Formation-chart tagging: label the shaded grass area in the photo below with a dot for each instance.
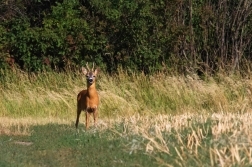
(60, 145)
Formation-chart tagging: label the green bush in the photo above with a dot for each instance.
(178, 36)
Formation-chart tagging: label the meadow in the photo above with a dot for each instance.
(155, 120)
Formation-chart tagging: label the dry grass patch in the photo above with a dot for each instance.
(222, 139)
(21, 126)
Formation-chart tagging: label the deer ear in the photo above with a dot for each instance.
(84, 70)
(96, 71)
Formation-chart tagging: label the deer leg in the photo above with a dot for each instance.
(95, 114)
(77, 119)
(87, 120)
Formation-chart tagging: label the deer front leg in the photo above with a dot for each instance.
(95, 114)
(87, 119)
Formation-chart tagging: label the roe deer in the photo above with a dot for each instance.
(88, 100)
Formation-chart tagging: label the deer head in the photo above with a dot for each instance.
(90, 74)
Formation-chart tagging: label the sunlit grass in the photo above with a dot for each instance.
(54, 94)
(218, 139)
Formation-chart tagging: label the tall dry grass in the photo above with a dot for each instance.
(54, 94)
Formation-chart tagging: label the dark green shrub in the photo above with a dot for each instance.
(201, 36)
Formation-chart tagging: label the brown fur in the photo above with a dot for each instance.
(88, 100)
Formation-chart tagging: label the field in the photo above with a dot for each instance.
(157, 120)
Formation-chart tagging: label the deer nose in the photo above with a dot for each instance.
(90, 80)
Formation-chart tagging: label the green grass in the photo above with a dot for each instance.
(60, 145)
(156, 120)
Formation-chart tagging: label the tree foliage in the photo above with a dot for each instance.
(145, 35)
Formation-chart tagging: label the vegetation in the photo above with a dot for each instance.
(51, 94)
(202, 36)
(156, 120)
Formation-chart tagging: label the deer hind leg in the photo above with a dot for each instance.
(78, 116)
(87, 119)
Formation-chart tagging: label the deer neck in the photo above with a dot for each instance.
(91, 89)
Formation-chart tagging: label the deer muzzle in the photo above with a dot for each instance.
(90, 80)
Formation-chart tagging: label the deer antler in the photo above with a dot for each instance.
(87, 67)
(93, 67)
